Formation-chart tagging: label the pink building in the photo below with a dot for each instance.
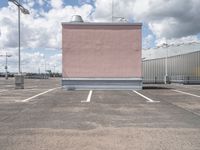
(101, 55)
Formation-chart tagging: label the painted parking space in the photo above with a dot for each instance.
(64, 96)
(106, 108)
(116, 97)
(146, 98)
(12, 96)
(177, 97)
(187, 93)
(35, 96)
(32, 89)
(120, 99)
(190, 89)
(2, 90)
(88, 97)
(96, 115)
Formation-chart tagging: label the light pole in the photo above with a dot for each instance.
(19, 79)
(54, 67)
(6, 64)
(39, 70)
(24, 11)
(166, 79)
(45, 64)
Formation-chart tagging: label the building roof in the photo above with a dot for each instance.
(170, 50)
(101, 24)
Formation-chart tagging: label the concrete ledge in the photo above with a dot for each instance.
(102, 83)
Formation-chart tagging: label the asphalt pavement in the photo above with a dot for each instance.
(44, 116)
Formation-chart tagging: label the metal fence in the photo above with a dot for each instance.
(178, 69)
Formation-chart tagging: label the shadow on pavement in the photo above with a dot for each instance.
(155, 87)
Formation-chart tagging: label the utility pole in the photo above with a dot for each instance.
(6, 64)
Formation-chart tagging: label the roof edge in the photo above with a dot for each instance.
(101, 24)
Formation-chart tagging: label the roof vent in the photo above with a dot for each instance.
(77, 19)
(120, 19)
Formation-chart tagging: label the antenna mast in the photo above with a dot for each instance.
(112, 10)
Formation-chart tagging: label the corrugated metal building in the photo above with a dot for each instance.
(172, 64)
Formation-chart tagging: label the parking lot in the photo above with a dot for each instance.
(45, 116)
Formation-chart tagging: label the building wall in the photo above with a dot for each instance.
(101, 51)
(183, 68)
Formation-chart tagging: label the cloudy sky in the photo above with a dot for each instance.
(164, 21)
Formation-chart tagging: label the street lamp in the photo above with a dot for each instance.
(166, 78)
(24, 11)
(19, 79)
(6, 65)
(54, 68)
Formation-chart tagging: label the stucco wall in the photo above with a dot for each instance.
(101, 51)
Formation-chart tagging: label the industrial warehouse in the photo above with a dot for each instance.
(172, 64)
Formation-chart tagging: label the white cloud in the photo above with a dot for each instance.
(57, 3)
(31, 61)
(183, 40)
(147, 41)
(43, 29)
(171, 19)
(55, 63)
(40, 29)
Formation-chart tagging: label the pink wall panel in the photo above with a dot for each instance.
(101, 51)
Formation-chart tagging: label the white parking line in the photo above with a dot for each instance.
(148, 99)
(9, 85)
(3, 91)
(88, 98)
(30, 98)
(31, 87)
(186, 93)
